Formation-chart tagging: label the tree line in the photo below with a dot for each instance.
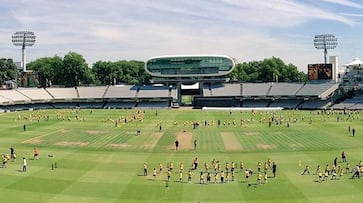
(72, 70)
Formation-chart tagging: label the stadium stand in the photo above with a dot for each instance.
(347, 104)
(286, 103)
(119, 105)
(284, 89)
(251, 103)
(322, 90)
(353, 103)
(121, 91)
(62, 93)
(90, 105)
(153, 104)
(153, 91)
(36, 106)
(91, 92)
(285, 95)
(315, 104)
(14, 97)
(255, 89)
(35, 94)
(64, 105)
(222, 90)
(4, 101)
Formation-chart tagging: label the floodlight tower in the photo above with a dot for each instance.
(325, 42)
(23, 39)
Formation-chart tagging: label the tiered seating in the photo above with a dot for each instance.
(4, 100)
(319, 90)
(90, 105)
(357, 106)
(153, 91)
(14, 96)
(35, 94)
(207, 91)
(226, 90)
(119, 105)
(64, 105)
(153, 104)
(284, 89)
(63, 93)
(256, 103)
(255, 89)
(41, 106)
(354, 103)
(315, 104)
(121, 91)
(286, 103)
(91, 92)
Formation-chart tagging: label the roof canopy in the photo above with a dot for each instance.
(355, 62)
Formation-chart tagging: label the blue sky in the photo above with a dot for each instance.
(111, 30)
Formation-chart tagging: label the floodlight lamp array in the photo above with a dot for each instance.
(325, 41)
(23, 38)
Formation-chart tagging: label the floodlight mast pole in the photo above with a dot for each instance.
(325, 50)
(23, 55)
(325, 42)
(23, 39)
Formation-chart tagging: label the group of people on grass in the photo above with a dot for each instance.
(335, 171)
(12, 157)
(214, 172)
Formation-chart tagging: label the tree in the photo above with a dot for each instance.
(8, 70)
(75, 70)
(128, 72)
(47, 67)
(105, 72)
(268, 70)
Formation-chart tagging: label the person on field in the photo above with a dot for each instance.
(160, 167)
(318, 169)
(24, 164)
(190, 175)
(201, 178)
(176, 145)
(353, 132)
(222, 176)
(208, 178)
(12, 153)
(154, 173)
(259, 178)
(145, 169)
(169, 174)
(247, 175)
(344, 157)
(335, 162)
(195, 163)
(195, 144)
(274, 166)
(347, 168)
(356, 172)
(36, 153)
(306, 170)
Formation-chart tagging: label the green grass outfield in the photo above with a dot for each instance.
(99, 161)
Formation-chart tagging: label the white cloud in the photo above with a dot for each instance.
(345, 3)
(129, 29)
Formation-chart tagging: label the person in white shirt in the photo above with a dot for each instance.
(24, 164)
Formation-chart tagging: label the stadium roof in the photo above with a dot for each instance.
(355, 62)
(176, 66)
